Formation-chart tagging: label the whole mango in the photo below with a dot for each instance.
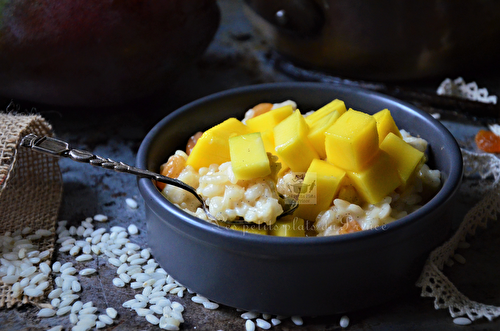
(99, 52)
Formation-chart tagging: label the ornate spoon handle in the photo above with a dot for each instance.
(57, 147)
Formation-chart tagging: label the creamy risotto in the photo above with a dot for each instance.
(256, 200)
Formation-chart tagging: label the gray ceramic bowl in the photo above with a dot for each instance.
(295, 276)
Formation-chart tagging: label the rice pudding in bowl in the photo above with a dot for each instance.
(263, 273)
(349, 171)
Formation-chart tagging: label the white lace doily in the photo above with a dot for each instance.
(459, 88)
(432, 280)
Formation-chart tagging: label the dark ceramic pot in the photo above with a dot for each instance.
(295, 276)
(382, 40)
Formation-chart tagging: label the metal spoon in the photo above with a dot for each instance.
(57, 147)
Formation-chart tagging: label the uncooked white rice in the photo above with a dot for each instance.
(297, 320)
(344, 322)
(249, 325)
(46, 312)
(131, 203)
(462, 321)
(100, 218)
(263, 324)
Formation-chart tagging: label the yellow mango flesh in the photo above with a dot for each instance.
(265, 124)
(405, 157)
(385, 124)
(317, 132)
(255, 229)
(213, 145)
(321, 184)
(288, 226)
(335, 105)
(352, 141)
(248, 156)
(292, 145)
(377, 180)
(269, 120)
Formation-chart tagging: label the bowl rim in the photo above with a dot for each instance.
(154, 196)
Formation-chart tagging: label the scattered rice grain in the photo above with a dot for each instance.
(118, 282)
(249, 325)
(462, 321)
(100, 218)
(131, 203)
(46, 312)
(84, 257)
(297, 320)
(87, 310)
(132, 229)
(100, 325)
(56, 328)
(63, 311)
(111, 312)
(87, 271)
(344, 322)
(106, 319)
(263, 324)
(152, 319)
(210, 305)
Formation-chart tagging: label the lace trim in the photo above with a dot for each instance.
(432, 280)
(459, 88)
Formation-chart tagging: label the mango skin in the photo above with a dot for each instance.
(99, 53)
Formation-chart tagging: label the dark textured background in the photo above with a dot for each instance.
(238, 56)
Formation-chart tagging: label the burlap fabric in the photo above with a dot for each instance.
(30, 186)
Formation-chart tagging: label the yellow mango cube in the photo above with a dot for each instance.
(248, 156)
(288, 226)
(253, 228)
(377, 180)
(320, 186)
(292, 145)
(335, 105)
(317, 132)
(352, 141)
(213, 145)
(269, 120)
(405, 157)
(385, 124)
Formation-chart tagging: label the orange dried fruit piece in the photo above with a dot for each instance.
(488, 141)
(350, 227)
(172, 168)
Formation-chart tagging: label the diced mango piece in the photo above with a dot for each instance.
(377, 180)
(317, 132)
(320, 186)
(335, 105)
(405, 157)
(248, 156)
(292, 145)
(254, 228)
(288, 226)
(352, 141)
(213, 146)
(385, 124)
(268, 140)
(269, 120)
